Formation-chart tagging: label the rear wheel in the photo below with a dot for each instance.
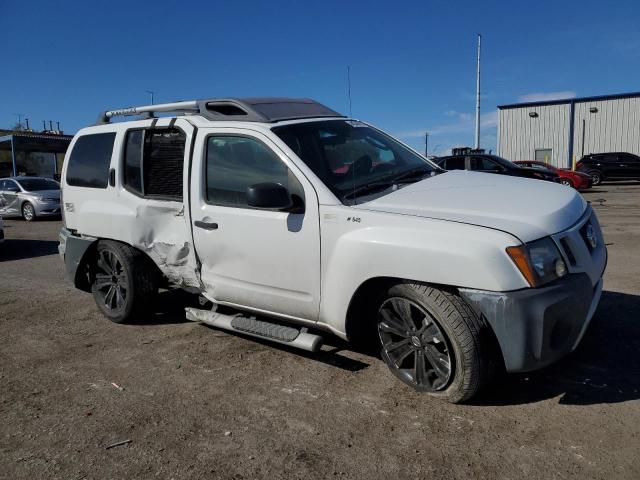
(431, 340)
(123, 282)
(596, 177)
(28, 212)
(566, 182)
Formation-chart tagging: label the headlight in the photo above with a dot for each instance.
(539, 262)
(37, 196)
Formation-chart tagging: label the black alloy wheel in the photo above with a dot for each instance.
(414, 346)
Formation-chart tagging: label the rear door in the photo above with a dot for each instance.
(266, 260)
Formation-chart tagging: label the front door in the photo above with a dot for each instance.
(628, 166)
(9, 201)
(267, 260)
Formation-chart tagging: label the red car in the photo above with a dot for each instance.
(577, 180)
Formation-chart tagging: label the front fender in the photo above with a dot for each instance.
(410, 248)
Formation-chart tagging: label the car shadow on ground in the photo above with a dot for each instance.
(603, 369)
(19, 249)
(168, 308)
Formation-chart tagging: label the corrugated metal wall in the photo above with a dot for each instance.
(521, 135)
(615, 127)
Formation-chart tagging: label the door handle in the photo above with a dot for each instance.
(206, 225)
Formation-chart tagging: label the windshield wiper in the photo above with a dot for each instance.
(413, 175)
(369, 188)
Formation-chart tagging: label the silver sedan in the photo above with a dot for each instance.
(29, 197)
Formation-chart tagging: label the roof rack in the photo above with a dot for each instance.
(266, 109)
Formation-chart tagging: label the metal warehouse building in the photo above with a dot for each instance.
(560, 131)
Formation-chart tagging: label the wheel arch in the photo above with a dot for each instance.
(80, 259)
(359, 330)
(356, 318)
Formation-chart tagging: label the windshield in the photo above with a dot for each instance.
(34, 184)
(354, 159)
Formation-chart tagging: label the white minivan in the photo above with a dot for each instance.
(308, 223)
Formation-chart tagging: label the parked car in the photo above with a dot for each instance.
(493, 164)
(577, 180)
(29, 197)
(286, 210)
(610, 166)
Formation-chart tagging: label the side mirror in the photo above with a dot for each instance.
(270, 195)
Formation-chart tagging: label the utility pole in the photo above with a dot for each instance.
(478, 96)
(150, 92)
(426, 144)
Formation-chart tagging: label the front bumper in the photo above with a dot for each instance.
(44, 208)
(537, 326)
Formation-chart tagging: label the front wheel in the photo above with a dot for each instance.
(432, 341)
(123, 281)
(28, 212)
(596, 177)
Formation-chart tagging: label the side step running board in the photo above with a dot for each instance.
(273, 332)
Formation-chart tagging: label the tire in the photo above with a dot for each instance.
(123, 282)
(567, 182)
(28, 212)
(596, 177)
(444, 335)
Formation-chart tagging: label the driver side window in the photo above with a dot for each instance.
(8, 186)
(234, 163)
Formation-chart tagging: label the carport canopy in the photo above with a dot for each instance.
(38, 154)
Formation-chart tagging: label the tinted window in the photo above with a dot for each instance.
(34, 184)
(455, 163)
(483, 163)
(133, 161)
(153, 162)
(235, 163)
(89, 161)
(628, 158)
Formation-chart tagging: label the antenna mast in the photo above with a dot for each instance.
(349, 88)
(478, 96)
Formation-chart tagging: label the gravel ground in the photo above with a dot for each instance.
(194, 402)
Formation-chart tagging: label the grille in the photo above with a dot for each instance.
(567, 251)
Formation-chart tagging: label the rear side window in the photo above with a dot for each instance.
(89, 161)
(153, 162)
(455, 163)
(482, 163)
(235, 163)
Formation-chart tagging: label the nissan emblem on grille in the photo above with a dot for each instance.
(591, 236)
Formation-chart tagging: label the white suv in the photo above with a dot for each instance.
(299, 217)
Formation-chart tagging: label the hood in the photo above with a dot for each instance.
(528, 209)
(45, 193)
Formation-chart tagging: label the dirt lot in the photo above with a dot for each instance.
(196, 402)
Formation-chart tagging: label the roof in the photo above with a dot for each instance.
(257, 109)
(563, 101)
(28, 134)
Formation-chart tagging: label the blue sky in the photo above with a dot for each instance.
(412, 63)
